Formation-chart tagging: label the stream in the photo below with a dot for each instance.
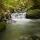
(19, 28)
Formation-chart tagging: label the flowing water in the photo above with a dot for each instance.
(18, 28)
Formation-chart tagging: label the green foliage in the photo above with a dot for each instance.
(20, 5)
(34, 11)
(36, 4)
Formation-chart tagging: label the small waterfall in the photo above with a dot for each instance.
(18, 18)
(18, 15)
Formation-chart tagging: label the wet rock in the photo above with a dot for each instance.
(33, 14)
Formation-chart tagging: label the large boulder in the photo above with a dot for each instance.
(33, 14)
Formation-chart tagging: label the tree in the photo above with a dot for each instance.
(34, 11)
(30, 6)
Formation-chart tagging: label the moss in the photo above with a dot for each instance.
(34, 14)
(2, 26)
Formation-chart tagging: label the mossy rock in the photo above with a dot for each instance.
(2, 26)
(35, 13)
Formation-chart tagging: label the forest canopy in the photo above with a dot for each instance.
(20, 5)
